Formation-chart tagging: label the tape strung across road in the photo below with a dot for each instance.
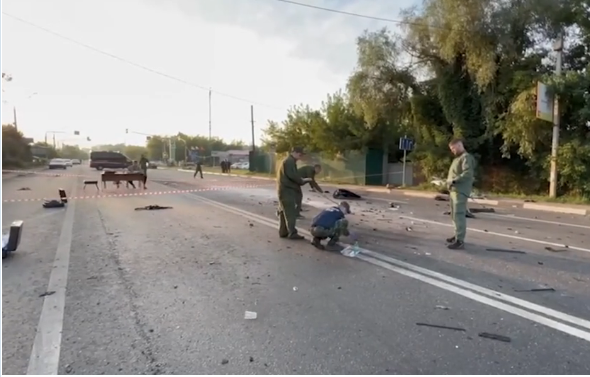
(522, 308)
(143, 193)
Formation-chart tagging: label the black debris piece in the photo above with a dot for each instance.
(345, 194)
(151, 208)
(529, 201)
(440, 326)
(441, 198)
(24, 189)
(48, 293)
(251, 359)
(469, 215)
(447, 213)
(224, 361)
(507, 251)
(501, 338)
(53, 203)
(536, 290)
(482, 210)
(549, 248)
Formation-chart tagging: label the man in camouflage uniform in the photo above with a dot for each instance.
(288, 188)
(330, 223)
(310, 172)
(460, 183)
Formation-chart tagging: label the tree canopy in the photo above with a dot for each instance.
(469, 69)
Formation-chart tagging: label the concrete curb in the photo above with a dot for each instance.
(557, 209)
(432, 195)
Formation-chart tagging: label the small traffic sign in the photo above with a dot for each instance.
(406, 144)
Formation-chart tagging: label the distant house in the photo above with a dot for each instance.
(233, 155)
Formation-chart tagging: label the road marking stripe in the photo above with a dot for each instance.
(535, 220)
(47, 345)
(499, 234)
(434, 278)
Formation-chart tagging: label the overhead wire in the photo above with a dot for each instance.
(137, 65)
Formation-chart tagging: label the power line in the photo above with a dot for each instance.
(137, 65)
(353, 14)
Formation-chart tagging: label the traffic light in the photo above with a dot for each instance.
(126, 130)
(77, 133)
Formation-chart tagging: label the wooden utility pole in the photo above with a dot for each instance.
(209, 114)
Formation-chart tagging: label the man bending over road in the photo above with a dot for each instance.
(330, 223)
(310, 172)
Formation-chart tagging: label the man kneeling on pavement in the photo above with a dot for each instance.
(330, 223)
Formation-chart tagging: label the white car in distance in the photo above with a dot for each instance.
(58, 163)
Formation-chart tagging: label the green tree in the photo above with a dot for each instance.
(15, 151)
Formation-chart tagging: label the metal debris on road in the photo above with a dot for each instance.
(224, 361)
(507, 251)
(549, 248)
(48, 293)
(441, 307)
(24, 189)
(501, 338)
(151, 208)
(440, 326)
(441, 198)
(250, 315)
(482, 210)
(536, 290)
(295, 289)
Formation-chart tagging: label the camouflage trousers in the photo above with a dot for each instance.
(334, 233)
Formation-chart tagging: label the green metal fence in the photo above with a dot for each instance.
(349, 168)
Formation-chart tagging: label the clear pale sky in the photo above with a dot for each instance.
(271, 54)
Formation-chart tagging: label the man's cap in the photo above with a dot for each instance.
(346, 206)
(297, 150)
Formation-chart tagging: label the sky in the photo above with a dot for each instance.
(262, 53)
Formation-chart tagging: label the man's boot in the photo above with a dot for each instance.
(451, 239)
(456, 245)
(317, 242)
(295, 236)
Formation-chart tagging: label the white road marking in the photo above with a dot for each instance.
(499, 234)
(442, 281)
(536, 220)
(47, 345)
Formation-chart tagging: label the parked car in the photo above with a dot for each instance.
(68, 162)
(76, 161)
(241, 165)
(58, 163)
(152, 165)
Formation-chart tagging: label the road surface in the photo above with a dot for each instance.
(154, 292)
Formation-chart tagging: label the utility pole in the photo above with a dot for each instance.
(252, 122)
(557, 47)
(54, 141)
(14, 114)
(209, 113)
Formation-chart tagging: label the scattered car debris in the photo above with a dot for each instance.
(441, 307)
(441, 198)
(251, 359)
(151, 207)
(530, 201)
(345, 194)
(295, 289)
(440, 326)
(501, 338)
(250, 315)
(482, 210)
(536, 290)
(53, 203)
(24, 189)
(507, 251)
(224, 361)
(408, 229)
(549, 248)
(48, 293)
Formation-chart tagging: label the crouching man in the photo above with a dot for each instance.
(330, 223)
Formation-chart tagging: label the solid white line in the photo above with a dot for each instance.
(484, 300)
(499, 234)
(47, 345)
(434, 278)
(536, 220)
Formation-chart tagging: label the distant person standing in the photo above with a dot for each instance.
(198, 169)
(143, 164)
(227, 166)
(460, 183)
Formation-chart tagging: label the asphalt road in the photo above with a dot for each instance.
(154, 292)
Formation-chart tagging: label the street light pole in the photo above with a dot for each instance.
(209, 113)
(557, 47)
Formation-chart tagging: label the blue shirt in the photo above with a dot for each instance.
(327, 218)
